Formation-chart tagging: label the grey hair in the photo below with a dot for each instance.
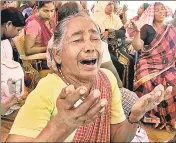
(61, 29)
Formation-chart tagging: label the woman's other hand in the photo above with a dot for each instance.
(125, 8)
(150, 101)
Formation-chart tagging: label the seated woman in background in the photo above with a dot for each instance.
(38, 31)
(112, 29)
(12, 21)
(39, 28)
(156, 63)
(131, 32)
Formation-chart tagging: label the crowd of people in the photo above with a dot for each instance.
(106, 74)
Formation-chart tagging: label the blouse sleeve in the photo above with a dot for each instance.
(143, 33)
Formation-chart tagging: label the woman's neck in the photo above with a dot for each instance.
(68, 79)
(44, 20)
(158, 25)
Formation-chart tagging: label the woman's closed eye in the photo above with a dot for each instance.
(78, 40)
(95, 38)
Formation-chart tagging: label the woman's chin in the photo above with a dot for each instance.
(88, 75)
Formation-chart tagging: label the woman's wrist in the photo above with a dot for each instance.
(133, 119)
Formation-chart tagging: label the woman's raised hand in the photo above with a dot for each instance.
(71, 115)
(135, 27)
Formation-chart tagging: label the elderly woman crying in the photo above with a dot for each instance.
(79, 102)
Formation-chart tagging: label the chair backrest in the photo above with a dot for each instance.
(19, 43)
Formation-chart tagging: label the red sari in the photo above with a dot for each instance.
(98, 131)
(157, 66)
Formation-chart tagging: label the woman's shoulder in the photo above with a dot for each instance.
(110, 76)
(50, 84)
(32, 22)
(50, 80)
(48, 89)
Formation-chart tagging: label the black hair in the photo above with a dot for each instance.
(40, 4)
(14, 15)
(67, 9)
(145, 5)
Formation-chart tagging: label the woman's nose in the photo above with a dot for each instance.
(89, 47)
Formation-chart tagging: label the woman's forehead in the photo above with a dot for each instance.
(158, 5)
(82, 24)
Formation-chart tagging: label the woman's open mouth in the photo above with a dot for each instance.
(162, 16)
(89, 63)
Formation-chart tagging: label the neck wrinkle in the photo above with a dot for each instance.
(77, 83)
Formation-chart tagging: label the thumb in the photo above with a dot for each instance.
(167, 93)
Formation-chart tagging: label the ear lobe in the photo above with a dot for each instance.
(57, 57)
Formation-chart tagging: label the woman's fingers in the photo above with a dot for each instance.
(95, 110)
(167, 93)
(92, 119)
(159, 87)
(159, 94)
(157, 97)
(88, 102)
(65, 91)
(135, 26)
(73, 97)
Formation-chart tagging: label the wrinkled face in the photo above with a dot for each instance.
(140, 10)
(11, 31)
(160, 13)
(82, 52)
(47, 11)
(109, 8)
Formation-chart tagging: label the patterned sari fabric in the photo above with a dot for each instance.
(99, 131)
(157, 66)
